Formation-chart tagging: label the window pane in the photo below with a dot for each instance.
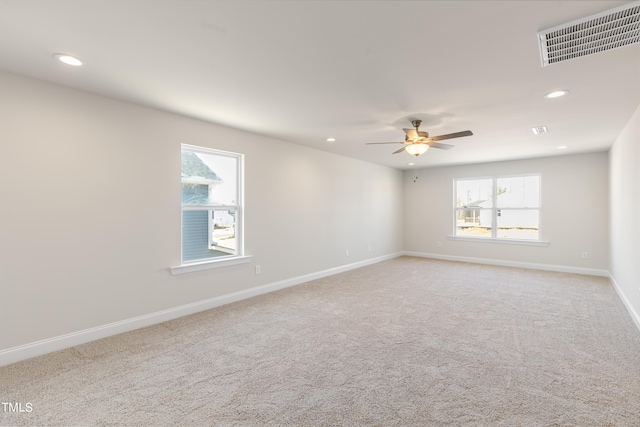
(474, 222)
(195, 244)
(209, 179)
(198, 244)
(519, 192)
(474, 193)
(223, 231)
(518, 224)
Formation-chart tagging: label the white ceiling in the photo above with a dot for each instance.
(359, 71)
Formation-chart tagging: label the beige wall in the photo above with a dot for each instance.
(574, 215)
(90, 218)
(625, 210)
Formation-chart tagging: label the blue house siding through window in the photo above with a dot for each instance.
(195, 231)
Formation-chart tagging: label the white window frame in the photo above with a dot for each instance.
(217, 261)
(494, 213)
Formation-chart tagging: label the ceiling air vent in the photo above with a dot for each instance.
(608, 30)
(539, 130)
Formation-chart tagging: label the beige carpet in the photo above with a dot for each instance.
(406, 342)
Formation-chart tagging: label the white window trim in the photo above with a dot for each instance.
(494, 215)
(221, 261)
(210, 263)
(502, 241)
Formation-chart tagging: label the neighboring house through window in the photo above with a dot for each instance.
(498, 208)
(211, 204)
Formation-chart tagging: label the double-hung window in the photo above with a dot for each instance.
(211, 204)
(498, 208)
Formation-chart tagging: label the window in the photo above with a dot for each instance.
(498, 208)
(211, 204)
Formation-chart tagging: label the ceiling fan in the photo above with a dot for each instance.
(417, 142)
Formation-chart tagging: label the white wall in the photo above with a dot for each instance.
(574, 214)
(90, 218)
(624, 164)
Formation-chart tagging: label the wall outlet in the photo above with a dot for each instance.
(346, 252)
(369, 248)
(439, 244)
(258, 269)
(584, 255)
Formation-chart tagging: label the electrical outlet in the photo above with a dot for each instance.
(439, 244)
(369, 248)
(584, 255)
(258, 269)
(346, 252)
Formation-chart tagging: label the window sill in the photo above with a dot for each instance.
(209, 264)
(501, 241)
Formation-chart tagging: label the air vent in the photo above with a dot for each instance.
(539, 130)
(608, 30)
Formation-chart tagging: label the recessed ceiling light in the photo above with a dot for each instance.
(556, 94)
(562, 147)
(330, 139)
(68, 59)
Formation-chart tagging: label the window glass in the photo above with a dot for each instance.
(518, 192)
(474, 192)
(518, 224)
(209, 178)
(503, 208)
(474, 222)
(223, 232)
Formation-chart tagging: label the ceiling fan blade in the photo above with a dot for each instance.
(398, 151)
(411, 133)
(442, 146)
(451, 135)
(373, 143)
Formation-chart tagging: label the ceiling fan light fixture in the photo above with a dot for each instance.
(416, 149)
(417, 142)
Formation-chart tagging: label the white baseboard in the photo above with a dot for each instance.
(634, 314)
(27, 351)
(529, 265)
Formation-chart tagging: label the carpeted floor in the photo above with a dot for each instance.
(406, 342)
